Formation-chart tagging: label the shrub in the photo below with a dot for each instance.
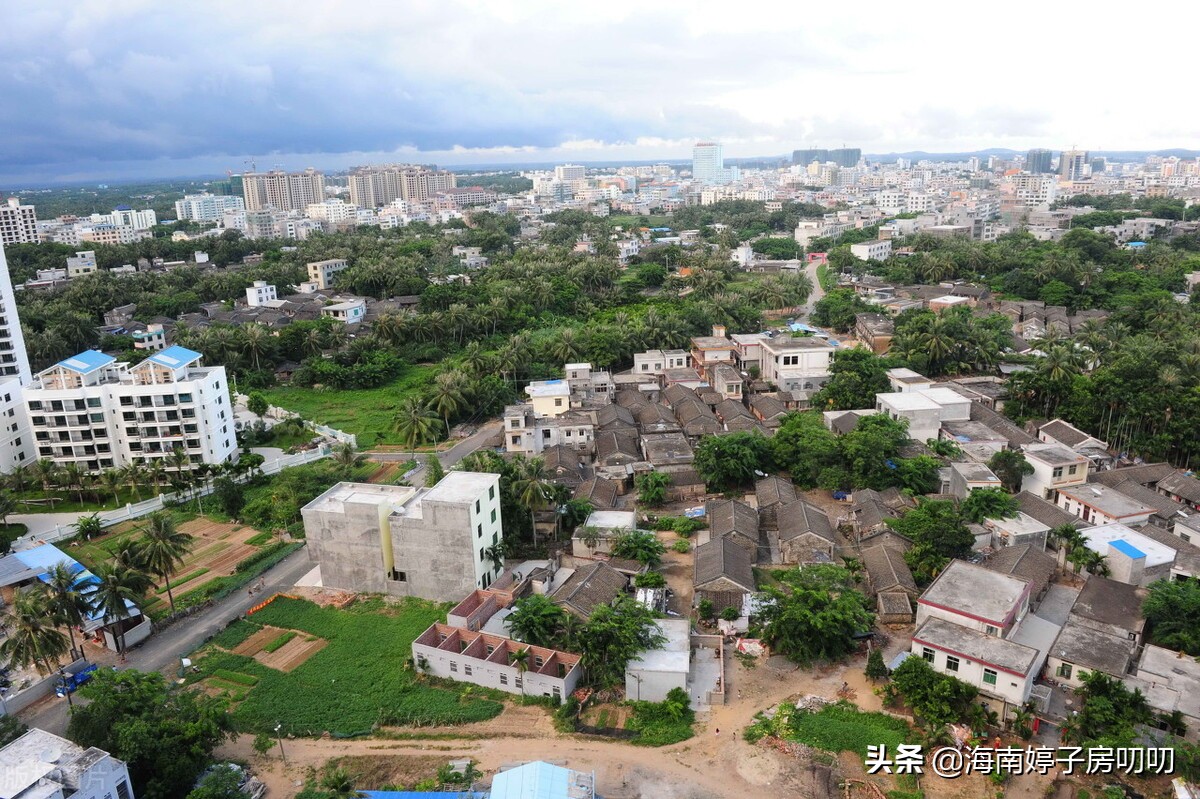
(730, 614)
(682, 547)
(280, 641)
(236, 677)
(706, 610)
(662, 723)
(650, 580)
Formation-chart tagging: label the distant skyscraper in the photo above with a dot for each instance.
(566, 172)
(1039, 162)
(1072, 164)
(708, 164)
(18, 223)
(1099, 165)
(376, 186)
(845, 157)
(283, 191)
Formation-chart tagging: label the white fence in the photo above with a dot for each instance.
(279, 414)
(135, 510)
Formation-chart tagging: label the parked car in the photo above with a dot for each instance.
(69, 682)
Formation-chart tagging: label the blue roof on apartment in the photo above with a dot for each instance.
(1126, 548)
(87, 361)
(174, 357)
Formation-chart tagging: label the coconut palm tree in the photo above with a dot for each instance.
(448, 398)
(33, 636)
(347, 457)
(338, 784)
(133, 475)
(18, 478)
(46, 471)
(7, 505)
(112, 480)
(163, 548)
(415, 423)
(73, 476)
(520, 659)
(116, 586)
(156, 472)
(532, 488)
(257, 340)
(65, 598)
(566, 347)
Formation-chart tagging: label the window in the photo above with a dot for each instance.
(1057, 473)
(515, 423)
(538, 662)
(398, 576)
(504, 679)
(494, 517)
(479, 531)
(558, 402)
(990, 630)
(1064, 671)
(453, 666)
(466, 670)
(989, 676)
(517, 682)
(951, 663)
(123, 790)
(1072, 470)
(516, 440)
(927, 653)
(482, 552)
(491, 492)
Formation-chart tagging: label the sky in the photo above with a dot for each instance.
(124, 89)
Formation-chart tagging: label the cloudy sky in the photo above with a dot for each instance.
(134, 88)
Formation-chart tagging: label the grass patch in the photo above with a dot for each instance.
(839, 727)
(10, 533)
(367, 413)
(356, 682)
(662, 723)
(236, 678)
(280, 641)
(187, 579)
(235, 634)
(826, 278)
(35, 500)
(260, 539)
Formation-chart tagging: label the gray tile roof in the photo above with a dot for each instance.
(721, 560)
(589, 587)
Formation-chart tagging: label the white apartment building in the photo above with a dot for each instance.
(18, 223)
(426, 542)
(569, 172)
(877, 250)
(41, 765)
(335, 211)
(260, 293)
(16, 443)
(207, 207)
(708, 164)
(796, 364)
(322, 272)
(655, 362)
(349, 312)
(92, 410)
(126, 216)
(1054, 468)
(106, 233)
(924, 409)
(1033, 189)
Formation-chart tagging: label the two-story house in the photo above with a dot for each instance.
(965, 621)
(794, 363)
(1054, 468)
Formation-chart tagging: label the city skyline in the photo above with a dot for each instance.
(142, 91)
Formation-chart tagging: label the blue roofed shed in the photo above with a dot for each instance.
(86, 362)
(175, 357)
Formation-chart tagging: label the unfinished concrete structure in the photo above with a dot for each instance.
(431, 543)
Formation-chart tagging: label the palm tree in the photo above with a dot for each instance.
(566, 348)
(448, 396)
(156, 471)
(47, 473)
(314, 341)
(338, 784)
(117, 585)
(163, 549)
(257, 340)
(133, 475)
(532, 488)
(347, 457)
(18, 478)
(415, 423)
(66, 600)
(178, 460)
(33, 635)
(72, 476)
(7, 505)
(520, 659)
(112, 479)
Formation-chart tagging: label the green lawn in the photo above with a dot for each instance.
(844, 728)
(35, 500)
(359, 680)
(366, 413)
(627, 221)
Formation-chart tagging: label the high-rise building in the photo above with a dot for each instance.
(16, 443)
(99, 413)
(1099, 165)
(843, 157)
(1072, 164)
(1039, 162)
(207, 207)
(377, 186)
(283, 191)
(708, 163)
(18, 223)
(565, 172)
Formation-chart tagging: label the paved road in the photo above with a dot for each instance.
(448, 458)
(161, 651)
(817, 292)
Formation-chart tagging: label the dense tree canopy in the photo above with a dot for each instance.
(814, 614)
(1172, 611)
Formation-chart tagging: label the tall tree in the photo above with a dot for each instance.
(415, 423)
(33, 637)
(1011, 467)
(164, 547)
(433, 470)
(538, 621)
(116, 586)
(66, 600)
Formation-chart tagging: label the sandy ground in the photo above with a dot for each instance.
(715, 763)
